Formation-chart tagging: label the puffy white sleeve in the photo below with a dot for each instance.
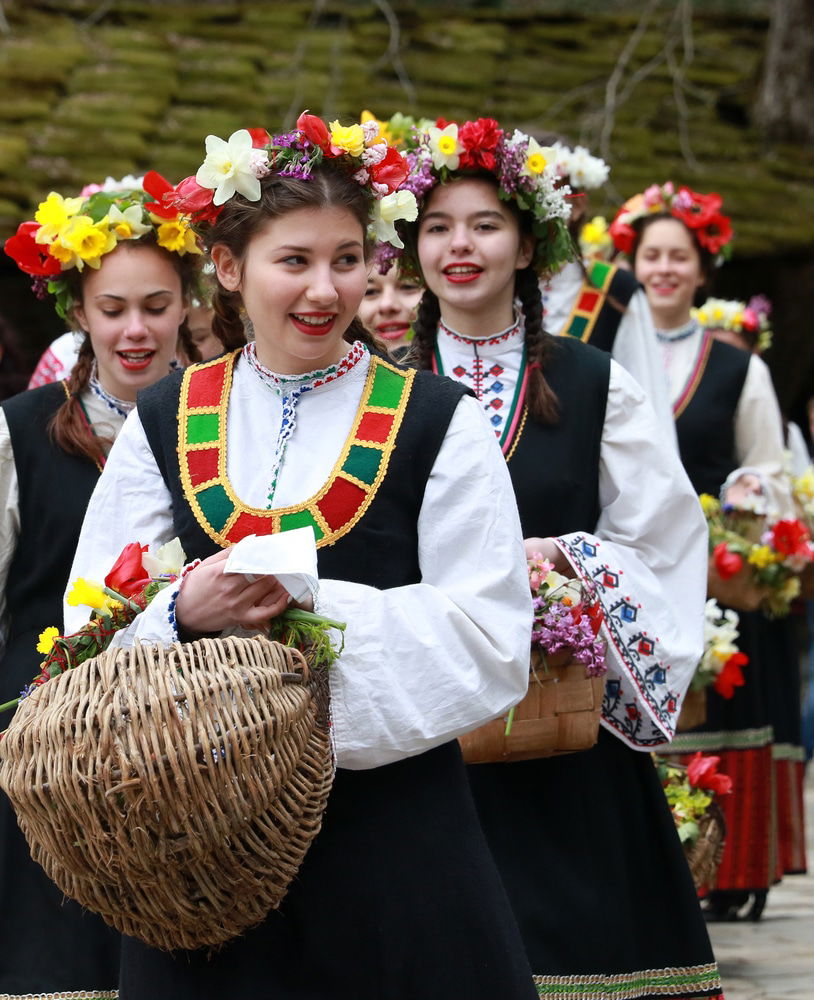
(422, 663)
(648, 562)
(637, 351)
(9, 510)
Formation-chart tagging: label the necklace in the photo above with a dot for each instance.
(120, 406)
(679, 333)
(289, 389)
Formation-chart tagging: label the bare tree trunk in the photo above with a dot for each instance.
(785, 106)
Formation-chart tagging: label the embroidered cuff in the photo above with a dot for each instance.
(180, 634)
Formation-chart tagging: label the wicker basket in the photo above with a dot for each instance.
(693, 712)
(704, 856)
(174, 791)
(739, 591)
(559, 714)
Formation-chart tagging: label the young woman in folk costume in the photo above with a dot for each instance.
(596, 301)
(730, 438)
(388, 308)
(404, 488)
(585, 842)
(123, 275)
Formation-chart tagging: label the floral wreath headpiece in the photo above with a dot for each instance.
(578, 167)
(526, 173)
(700, 213)
(750, 318)
(68, 233)
(238, 164)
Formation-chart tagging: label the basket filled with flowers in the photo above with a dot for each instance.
(561, 709)
(691, 792)
(755, 564)
(174, 791)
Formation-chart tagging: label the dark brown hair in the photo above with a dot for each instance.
(68, 427)
(541, 398)
(241, 220)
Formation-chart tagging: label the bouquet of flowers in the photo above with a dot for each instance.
(721, 663)
(771, 557)
(690, 793)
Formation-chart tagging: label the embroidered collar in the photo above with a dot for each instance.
(679, 333)
(120, 406)
(336, 507)
(512, 331)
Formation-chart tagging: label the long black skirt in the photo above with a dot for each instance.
(397, 898)
(596, 876)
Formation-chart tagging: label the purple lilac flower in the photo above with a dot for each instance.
(555, 629)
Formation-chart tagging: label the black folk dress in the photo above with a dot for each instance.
(585, 842)
(398, 896)
(49, 945)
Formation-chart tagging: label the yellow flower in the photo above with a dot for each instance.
(53, 214)
(737, 320)
(445, 146)
(66, 257)
(349, 138)
(46, 640)
(709, 505)
(790, 589)
(89, 594)
(176, 235)
(127, 224)
(762, 556)
(89, 240)
(384, 130)
(537, 158)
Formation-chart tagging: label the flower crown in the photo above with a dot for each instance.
(750, 318)
(700, 213)
(68, 233)
(238, 164)
(578, 167)
(526, 173)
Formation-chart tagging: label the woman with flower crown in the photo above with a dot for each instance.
(731, 443)
(121, 268)
(403, 487)
(585, 843)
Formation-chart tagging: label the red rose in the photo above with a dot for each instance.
(702, 772)
(731, 676)
(260, 137)
(30, 256)
(315, 131)
(392, 170)
(479, 139)
(189, 198)
(727, 563)
(790, 538)
(158, 187)
(128, 576)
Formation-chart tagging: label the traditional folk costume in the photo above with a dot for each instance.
(604, 305)
(728, 422)
(585, 842)
(50, 945)
(402, 483)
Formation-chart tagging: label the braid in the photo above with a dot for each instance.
(542, 401)
(358, 331)
(425, 330)
(227, 324)
(68, 427)
(186, 345)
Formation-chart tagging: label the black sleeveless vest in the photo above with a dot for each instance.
(382, 548)
(706, 427)
(622, 288)
(555, 470)
(54, 489)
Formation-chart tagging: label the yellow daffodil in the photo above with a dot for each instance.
(737, 320)
(350, 138)
(762, 556)
(53, 214)
(594, 238)
(175, 235)
(89, 240)
(709, 505)
(89, 594)
(127, 224)
(445, 148)
(46, 640)
(66, 257)
(388, 210)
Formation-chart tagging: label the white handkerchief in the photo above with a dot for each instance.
(291, 556)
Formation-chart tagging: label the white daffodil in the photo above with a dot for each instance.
(228, 167)
(537, 158)
(166, 561)
(127, 224)
(391, 208)
(445, 147)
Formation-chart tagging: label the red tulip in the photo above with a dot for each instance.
(158, 187)
(726, 563)
(189, 198)
(260, 137)
(731, 676)
(702, 772)
(30, 256)
(392, 170)
(128, 576)
(315, 130)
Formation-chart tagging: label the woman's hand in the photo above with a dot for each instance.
(746, 486)
(550, 551)
(211, 600)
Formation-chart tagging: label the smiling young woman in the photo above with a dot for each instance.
(389, 305)
(128, 294)
(392, 469)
